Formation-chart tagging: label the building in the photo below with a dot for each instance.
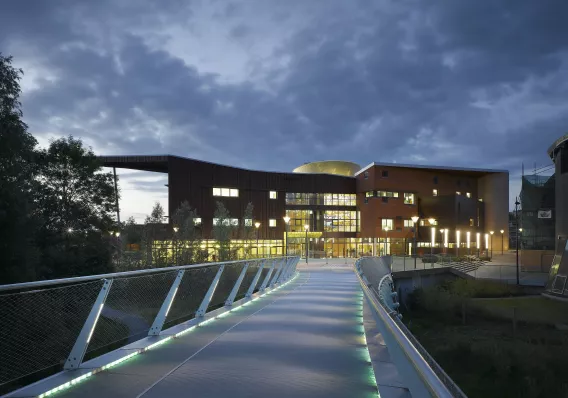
(558, 152)
(536, 213)
(338, 209)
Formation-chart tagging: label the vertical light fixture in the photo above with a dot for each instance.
(257, 226)
(478, 242)
(433, 240)
(487, 244)
(307, 227)
(414, 221)
(446, 231)
(468, 236)
(287, 221)
(458, 233)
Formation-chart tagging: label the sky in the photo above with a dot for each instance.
(272, 84)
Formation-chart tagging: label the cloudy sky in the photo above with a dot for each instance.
(271, 84)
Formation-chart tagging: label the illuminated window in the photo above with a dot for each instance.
(369, 194)
(248, 222)
(226, 192)
(215, 221)
(340, 221)
(480, 199)
(387, 194)
(468, 194)
(426, 223)
(234, 222)
(387, 223)
(408, 224)
(434, 192)
(408, 198)
(273, 194)
(458, 193)
(272, 222)
(197, 221)
(471, 222)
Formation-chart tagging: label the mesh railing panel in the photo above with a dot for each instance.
(226, 282)
(190, 293)
(39, 328)
(265, 271)
(130, 308)
(247, 280)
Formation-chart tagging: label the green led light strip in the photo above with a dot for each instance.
(154, 345)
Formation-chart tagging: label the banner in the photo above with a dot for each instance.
(545, 214)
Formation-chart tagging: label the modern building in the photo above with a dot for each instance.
(537, 213)
(558, 152)
(339, 209)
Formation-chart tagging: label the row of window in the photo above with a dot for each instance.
(409, 198)
(235, 222)
(234, 193)
(325, 199)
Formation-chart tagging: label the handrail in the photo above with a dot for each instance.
(89, 278)
(427, 380)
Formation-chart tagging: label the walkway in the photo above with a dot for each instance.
(304, 340)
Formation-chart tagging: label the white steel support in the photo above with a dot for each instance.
(282, 275)
(292, 268)
(237, 286)
(267, 278)
(166, 305)
(250, 290)
(207, 299)
(80, 347)
(277, 273)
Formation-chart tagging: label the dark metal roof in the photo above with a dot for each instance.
(555, 145)
(155, 163)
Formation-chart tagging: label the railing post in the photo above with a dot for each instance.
(291, 268)
(267, 278)
(254, 282)
(80, 347)
(282, 276)
(277, 273)
(235, 290)
(166, 305)
(209, 295)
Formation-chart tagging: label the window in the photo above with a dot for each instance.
(248, 222)
(272, 222)
(366, 175)
(387, 194)
(458, 193)
(319, 199)
(408, 224)
(434, 192)
(386, 223)
(468, 194)
(366, 200)
(385, 173)
(385, 199)
(234, 222)
(426, 223)
(340, 221)
(480, 199)
(197, 221)
(215, 221)
(471, 222)
(226, 192)
(273, 195)
(408, 198)
(369, 194)
(435, 180)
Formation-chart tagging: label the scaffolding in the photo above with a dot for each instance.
(537, 213)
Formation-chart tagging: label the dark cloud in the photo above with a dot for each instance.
(270, 84)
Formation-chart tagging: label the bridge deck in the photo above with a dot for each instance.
(304, 340)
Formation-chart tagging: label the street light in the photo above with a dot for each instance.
(175, 244)
(414, 221)
(491, 233)
(502, 232)
(307, 227)
(517, 203)
(287, 221)
(257, 226)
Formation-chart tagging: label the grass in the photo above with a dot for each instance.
(485, 356)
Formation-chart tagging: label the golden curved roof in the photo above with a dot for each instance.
(337, 167)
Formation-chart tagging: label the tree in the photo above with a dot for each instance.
(247, 230)
(186, 242)
(17, 184)
(76, 202)
(155, 255)
(222, 232)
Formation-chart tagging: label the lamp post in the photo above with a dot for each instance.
(458, 233)
(175, 244)
(502, 232)
(257, 226)
(518, 233)
(491, 252)
(414, 221)
(287, 221)
(307, 227)
(432, 222)
(386, 229)
(487, 245)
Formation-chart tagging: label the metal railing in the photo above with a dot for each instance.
(464, 264)
(49, 325)
(423, 376)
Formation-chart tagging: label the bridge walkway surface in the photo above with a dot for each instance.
(304, 340)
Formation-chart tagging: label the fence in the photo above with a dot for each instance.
(49, 325)
(423, 376)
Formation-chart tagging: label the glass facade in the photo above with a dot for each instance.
(321, 199)
(328, 220)
(340, 221)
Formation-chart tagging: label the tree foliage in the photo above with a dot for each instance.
(187, 239)
(222, 233)
(247, 230)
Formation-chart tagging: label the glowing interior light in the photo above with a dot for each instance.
(446, 237)
(433, 236)
(458, 238)
(468, 236)
(477, 242)
(487, 241)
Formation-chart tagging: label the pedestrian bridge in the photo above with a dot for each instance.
(252, 328)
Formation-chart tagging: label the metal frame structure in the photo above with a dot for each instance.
(424, 377)
(285, 270)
